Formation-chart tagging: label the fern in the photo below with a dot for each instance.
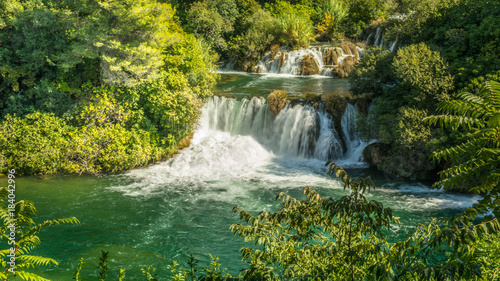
(76, 274)
(26, 231)
(479, 115)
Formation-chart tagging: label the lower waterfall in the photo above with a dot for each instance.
(298, 130)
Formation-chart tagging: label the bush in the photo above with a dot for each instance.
(293, 24)
(254, 41)
(422, 75)
(207, 23)
(37, 144)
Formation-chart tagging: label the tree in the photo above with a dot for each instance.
(293, 24)
(422, 76)
(476, 160)
(128, 38)
(207, 23)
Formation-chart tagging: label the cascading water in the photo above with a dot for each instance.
(378, 34)
(299, 131)
(322, 58)
(379, 40)
(354, 145)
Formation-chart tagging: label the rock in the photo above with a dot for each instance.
(375, 153)
(276, 101)
(275, 49)
(344, 69)
(309, 66)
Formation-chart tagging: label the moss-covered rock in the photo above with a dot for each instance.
(276, 101)
(345, 68)
(225, 95)
(275, 49)
(331, 56)
(309, 66)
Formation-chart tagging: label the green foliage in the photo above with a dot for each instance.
(374, 74)
(36, 144)
(411, 15)
(194, 61)
(255, 40)
(33, 37)
(476, 159)
(343, 239)
(487, 253)
(127, 36)
(317, 237)
(208, 24)
(332, 13)
(79, 67)
(213, 273)
(409, 153)
(103, 266)
(362, 13)
(422, 76)
(464, 31)
(76, 274)
(406, 87)
(148, 272)
(26, 239)
(440, 252)
(293, 24)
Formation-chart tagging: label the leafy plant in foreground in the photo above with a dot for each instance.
(317, 237)
(26, 239)
(326, 239)
(475, 161)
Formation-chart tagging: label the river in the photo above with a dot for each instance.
(164, 212)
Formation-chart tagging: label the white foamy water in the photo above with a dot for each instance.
(241, 148)
(288, 62)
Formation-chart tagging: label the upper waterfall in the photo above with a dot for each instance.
(313, 60)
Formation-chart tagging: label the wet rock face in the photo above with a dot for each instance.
(309, 66)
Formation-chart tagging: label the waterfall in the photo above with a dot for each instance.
(321, 59)
(368, 38)
(300, 131)
(377, 37)
(348, 123)
(354, 144)
(393, 46)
